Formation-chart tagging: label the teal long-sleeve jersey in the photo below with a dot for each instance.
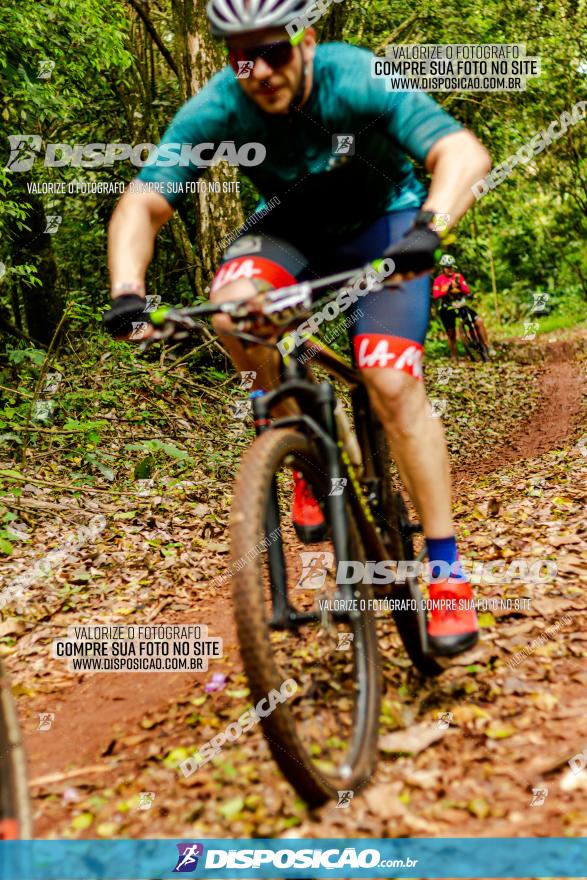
(320, 192)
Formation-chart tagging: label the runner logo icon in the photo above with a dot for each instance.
(343, 144)
(187, 860)
(314, 570)
(244, 69)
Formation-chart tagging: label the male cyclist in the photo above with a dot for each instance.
(450, 285)
(339, 207)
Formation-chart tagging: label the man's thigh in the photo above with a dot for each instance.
(388, 326)
(266, 261)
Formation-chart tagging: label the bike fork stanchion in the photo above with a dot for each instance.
(336, 503)
(282, 610)
(326, 435)
(326, 399)
(260, 413)
(283, 613)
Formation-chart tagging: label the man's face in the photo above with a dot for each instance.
(273, 88)
(450, 271)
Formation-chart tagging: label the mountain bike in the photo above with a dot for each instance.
(308, 615)
(15, 815)
(469, 332)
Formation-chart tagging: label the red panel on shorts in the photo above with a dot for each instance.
(252, 267)
(394, 352)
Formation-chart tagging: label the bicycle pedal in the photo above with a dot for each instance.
(411, 528)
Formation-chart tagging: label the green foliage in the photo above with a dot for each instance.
(534, 223)
(110, 84)
(153, 452)
(19, 355)
(84, 41)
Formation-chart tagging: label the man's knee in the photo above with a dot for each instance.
(397, 397)
(221, 323)
(241, 289)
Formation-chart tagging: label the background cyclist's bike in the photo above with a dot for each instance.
(468, 329)
(307, 612)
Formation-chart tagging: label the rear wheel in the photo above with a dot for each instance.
(397, 532)
(15, 817)
(324, 736)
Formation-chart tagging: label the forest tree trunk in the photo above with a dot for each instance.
(43, 303)
(217, 215)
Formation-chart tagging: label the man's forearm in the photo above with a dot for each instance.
(456, 163)
(130, 249)
(131, 239)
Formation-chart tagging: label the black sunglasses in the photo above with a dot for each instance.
(275, 55)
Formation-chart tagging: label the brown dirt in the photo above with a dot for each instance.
(562, 390)
(101, 709)
(94, 711)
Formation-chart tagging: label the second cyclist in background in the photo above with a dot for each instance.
(449, 285)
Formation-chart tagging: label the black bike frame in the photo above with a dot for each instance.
(470, 329)
(317, 402)
(365, 509)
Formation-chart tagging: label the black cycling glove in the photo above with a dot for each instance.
(416, 251)
(127, 309)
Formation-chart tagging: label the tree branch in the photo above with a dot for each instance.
(154, 35)
(11, 328)
(396, 33)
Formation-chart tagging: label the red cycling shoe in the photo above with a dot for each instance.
(452, 631)
(308, 519)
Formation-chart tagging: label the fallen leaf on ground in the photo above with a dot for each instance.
(411, 741)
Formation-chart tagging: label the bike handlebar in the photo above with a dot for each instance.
(281, 306)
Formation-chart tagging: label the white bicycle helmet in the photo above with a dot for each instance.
(447, 260)
(230, 17)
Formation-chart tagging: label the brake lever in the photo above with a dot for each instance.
(156, 336)
(177, 326)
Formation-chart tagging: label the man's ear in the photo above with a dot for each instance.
(309, 44)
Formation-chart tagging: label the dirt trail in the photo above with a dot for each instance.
(563, 388)
(101, 708)
(98, 719)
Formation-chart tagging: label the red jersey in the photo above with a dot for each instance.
(443, 282)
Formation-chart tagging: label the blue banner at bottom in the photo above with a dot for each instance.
(409, 857)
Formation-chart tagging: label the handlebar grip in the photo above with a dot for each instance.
(127, 309)
(159, 316)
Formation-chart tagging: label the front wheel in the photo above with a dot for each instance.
(471, 338)
(297, 627)
(15, 816)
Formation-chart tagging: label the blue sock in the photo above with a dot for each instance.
(444, 550)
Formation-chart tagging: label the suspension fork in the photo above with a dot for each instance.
(335, 503)
(325, 432)
(364, 429)
(283, 612)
